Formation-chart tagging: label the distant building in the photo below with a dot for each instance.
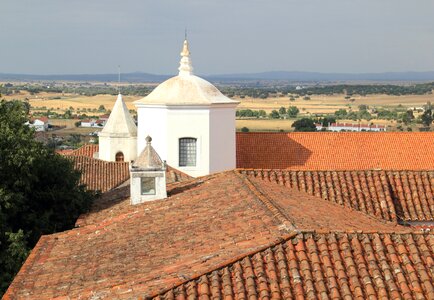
(87, 123)
(92, 123)
(39, 124)
(350, 127)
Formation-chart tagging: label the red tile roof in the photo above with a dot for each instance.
(124, 251)
(389, 195)
(86, 150)
(323, 266)
(103, 175)
(336, 150)
(99, 175)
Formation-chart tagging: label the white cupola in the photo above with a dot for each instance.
(148, 176)
(118, 139)
(192, 122)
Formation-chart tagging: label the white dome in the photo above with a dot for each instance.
(185, 90)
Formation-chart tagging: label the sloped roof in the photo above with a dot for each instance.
(405, 196)
(206, 223)
(100, 175)
(336, 150)
(120, 121)
(314, 265)
(88, 150)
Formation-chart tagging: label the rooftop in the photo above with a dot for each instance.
(314, 265)
(336, 150)
(146, 249)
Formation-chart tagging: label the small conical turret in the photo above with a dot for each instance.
(120, 120)
(185, 67)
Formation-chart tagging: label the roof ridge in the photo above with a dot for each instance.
(275, 209)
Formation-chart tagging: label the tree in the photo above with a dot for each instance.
(341, 113)
(101, 108)
(39, 190)
(282, 111)
(293, 111)
(407, 117)
(245, 129)
(274, 114)
(327, 120)
(363, 107)
(304, 124)
(427, 117)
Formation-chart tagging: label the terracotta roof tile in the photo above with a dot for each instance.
(128, 251)
(101, 175)
(336, 150)
(88, 150)
(405, 196)
(324, 265)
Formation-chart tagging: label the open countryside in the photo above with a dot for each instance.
(316, 105)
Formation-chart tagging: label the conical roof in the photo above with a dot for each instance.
(149, 158)
(186, 88)
(120, 121)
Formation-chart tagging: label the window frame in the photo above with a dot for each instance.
(154, 181)
(184, 158)
(120, 153)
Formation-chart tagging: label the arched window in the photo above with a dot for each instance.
(187, 152)
(119, 156)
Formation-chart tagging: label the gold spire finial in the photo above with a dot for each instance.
(185, 67)
(185, 50)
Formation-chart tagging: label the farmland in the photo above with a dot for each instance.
(89, 102)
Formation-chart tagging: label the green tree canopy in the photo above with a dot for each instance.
(274, 114)
(327, 120)
(304, 124)
(293, 111)
(39, 190)
(427, 117)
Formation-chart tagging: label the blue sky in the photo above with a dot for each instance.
(226, 36)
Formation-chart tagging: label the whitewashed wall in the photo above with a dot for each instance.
(109, 146)
(212, 126)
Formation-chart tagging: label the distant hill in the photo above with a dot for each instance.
(315, 76)
(294, 76)
(126, 77)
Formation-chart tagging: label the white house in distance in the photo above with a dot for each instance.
(350, 127)
(192, 124)
(118, 139)
(39, 124)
